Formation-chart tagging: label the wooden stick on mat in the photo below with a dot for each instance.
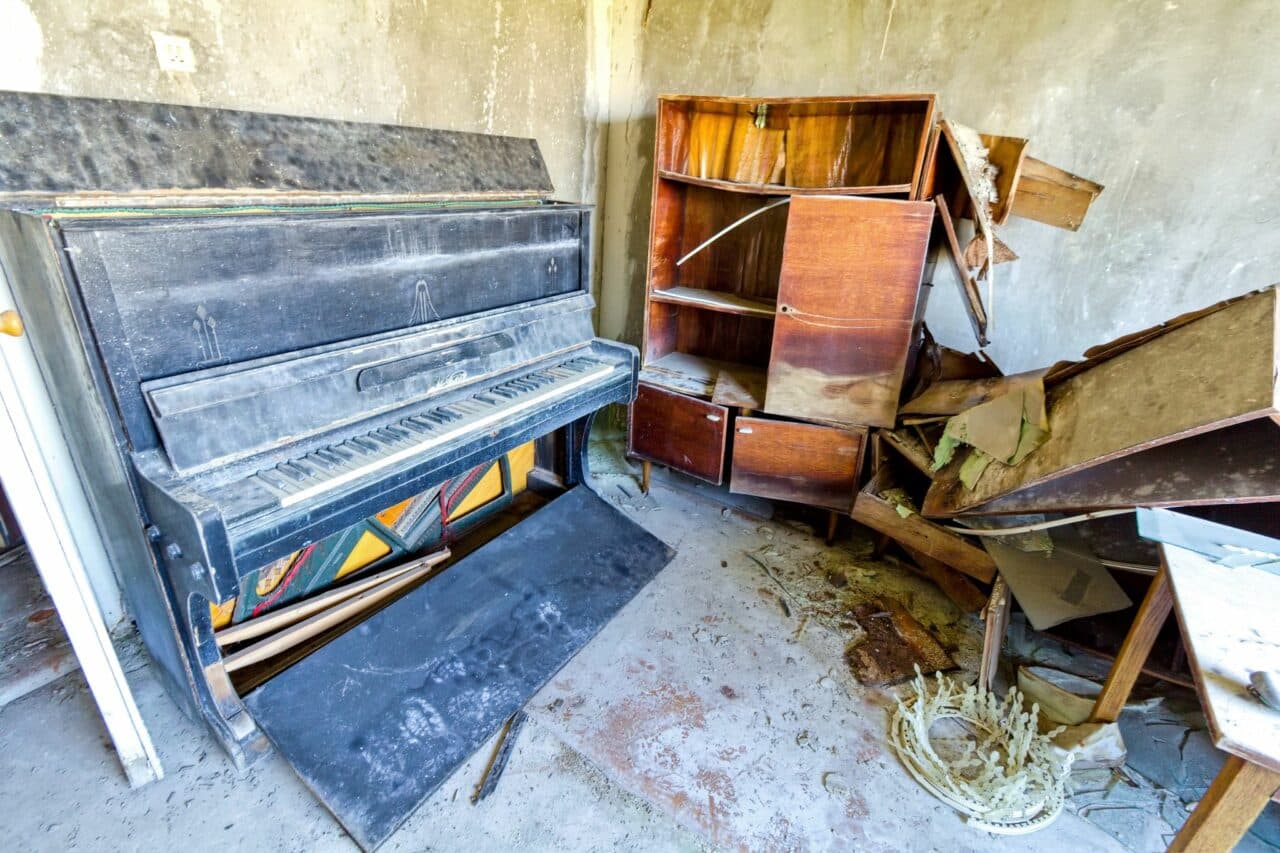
(323, 621)
(285, 616)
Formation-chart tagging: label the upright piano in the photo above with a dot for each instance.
(261, 330)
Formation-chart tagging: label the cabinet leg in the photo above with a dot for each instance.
(645, 469)
(833, 518)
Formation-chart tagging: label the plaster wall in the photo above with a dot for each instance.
(1169, 103)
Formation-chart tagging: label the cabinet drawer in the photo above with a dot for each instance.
(680, 432)
(788, 461)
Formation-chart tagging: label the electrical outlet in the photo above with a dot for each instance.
(174, 53)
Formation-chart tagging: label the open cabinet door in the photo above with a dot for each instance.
(52, 510)
(847, 296)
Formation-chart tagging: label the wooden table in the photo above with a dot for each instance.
(1230, 629)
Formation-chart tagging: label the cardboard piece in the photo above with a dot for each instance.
(1054, 588)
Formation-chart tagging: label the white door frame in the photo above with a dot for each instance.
(46, 495)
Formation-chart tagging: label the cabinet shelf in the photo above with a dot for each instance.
(781, 190)
(715, 300)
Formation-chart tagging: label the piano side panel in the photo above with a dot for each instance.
(175, 295)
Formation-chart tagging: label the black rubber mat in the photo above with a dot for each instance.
(376, 720)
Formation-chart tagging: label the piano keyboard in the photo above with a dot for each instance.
(337, 465)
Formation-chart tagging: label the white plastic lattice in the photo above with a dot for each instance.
(1006, 780)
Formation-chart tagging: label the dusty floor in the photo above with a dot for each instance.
(707, 715)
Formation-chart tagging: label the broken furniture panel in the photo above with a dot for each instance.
(1007, 154)
(1053, 196)
(847, 296)
(910, 528)
(1216, 371)
(766, 453)
(680, 432)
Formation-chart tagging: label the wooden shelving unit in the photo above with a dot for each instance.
(799, 310)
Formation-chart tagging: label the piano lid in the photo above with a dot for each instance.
(55, 146)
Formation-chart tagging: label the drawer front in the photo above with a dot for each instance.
(680, 432)
(804, 463)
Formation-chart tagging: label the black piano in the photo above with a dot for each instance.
(261, 329)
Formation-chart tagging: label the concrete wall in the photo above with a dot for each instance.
(1169, 103)
(515, 68)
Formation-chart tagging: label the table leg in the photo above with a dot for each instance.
(833, 518)
(1137, 645)
(1233, 802)
(645, 469)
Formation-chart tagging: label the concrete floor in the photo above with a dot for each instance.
(702, 717)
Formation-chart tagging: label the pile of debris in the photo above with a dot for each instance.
(1022, 488)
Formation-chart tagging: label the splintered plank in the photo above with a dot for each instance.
(895, 644)
(1212, 373)
(921, 534)
(1053, 196)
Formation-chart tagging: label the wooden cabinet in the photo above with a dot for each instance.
(785, 255)
(680, 432)
(804, 463)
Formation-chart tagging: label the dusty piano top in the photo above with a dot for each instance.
(86, 151)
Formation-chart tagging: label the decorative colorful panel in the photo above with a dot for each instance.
(434, 517)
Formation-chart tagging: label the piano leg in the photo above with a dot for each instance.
(576, 467)
(646, 468)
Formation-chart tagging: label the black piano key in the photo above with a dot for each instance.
(413, 426)
(427, 425)
(365, 445)
(306, 469)
(316, 460)
(503, 391)
(275, 481)
(292, 472)
(487, 399)
(397, 431)
(338, 455)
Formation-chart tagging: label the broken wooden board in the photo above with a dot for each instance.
(968, 287)
(1007, 154)
(954, 396)
(910, 447)
(921, 534)
(1233, 465)
(739, 385)
(1053, 196)
(1214, 372)
(1230, 630)
(894, 645)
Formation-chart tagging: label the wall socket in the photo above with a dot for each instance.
(174, 53)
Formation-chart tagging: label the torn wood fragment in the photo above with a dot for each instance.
(1053, 196)
(893, 646)
(872, 510)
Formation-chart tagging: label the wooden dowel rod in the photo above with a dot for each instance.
(286, 616)
(321, 622)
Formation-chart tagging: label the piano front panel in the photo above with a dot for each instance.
(173, 295)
